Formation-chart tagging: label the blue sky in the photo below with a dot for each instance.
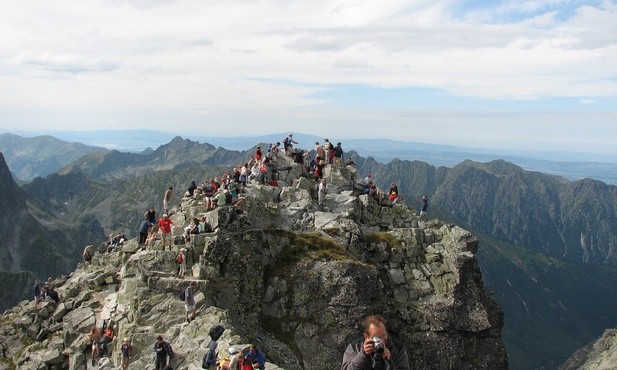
(487, 74)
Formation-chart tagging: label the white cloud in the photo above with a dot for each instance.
(266, 58)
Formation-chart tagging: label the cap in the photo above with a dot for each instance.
(125, 339)
(165, 215)
(232, 350)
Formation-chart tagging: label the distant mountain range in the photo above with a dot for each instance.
(572, 165)
(547, 243)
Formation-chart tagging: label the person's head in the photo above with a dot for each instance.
(193, 284)
(253, 348)
(323, 181)
(165, 215)
(159, 338)
(125, 339)
(171, 188)
(151, 208)
(375, 326)
(93, 330)
(338, 144)
(317, 143)
(240, 357)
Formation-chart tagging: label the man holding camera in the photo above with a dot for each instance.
(375, 351)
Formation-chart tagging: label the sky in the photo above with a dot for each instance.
(529, 75)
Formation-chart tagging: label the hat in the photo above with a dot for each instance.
(125, 339)
(232, 350)
(165, 215)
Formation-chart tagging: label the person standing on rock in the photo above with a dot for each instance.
(163, 351)
(36, 289)
(375, 350)
(189, 301)
(150, 216)
(127, 351)
(424, 211)
(321, 193)
(166, 199)
(94, 337)
(164, 225)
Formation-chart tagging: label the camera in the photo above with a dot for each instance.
(378, 345)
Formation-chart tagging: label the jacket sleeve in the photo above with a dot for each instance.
(353, 359)
(400, 360)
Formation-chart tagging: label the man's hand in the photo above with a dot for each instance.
(386, 353)
(368, 347)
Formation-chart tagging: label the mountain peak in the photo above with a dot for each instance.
(279, 270)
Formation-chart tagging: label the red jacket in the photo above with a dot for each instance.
(165, 225)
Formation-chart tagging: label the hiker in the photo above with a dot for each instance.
(164, 353)
(181, 261)
(375, 350)
(150, 216)
(321, 193)
(424, 210)
(36, 289)
(154, 233)
(258, 155)
(393, 193)
(189, 301)
(88, 253)
(329, 148)
(127, 351)
(164, 225)
(338, 155)
(209, 188)
(192, 229)
(288, 142)
(320, 153)
(236, 359)
(106, 338)
(210, 357)
(166, 199)
(143, 228)
(49, 292)
(191, 190)
(244, 174)
(255, 355)
(93, 338)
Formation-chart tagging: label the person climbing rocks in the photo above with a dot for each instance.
(164, 353)
(167, 198)
(189, 301)
(164, 225)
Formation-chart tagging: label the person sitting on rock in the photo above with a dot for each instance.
(257, 356)
(321, 194)
(154, 234)
(88, 253)
(192, 229)
(191, 190)
(49, 292)
(393, 193)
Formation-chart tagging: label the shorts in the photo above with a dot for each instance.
(189, 307)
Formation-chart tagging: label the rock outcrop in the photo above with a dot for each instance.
(596, 355)
(281, 272)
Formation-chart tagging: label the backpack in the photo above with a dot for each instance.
(182, 295)
(168, 349)
(216, 331)
(179, 259)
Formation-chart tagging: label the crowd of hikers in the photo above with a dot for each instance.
(224, 191)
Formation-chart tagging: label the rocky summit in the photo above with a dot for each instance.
(281, 272)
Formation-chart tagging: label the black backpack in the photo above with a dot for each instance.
(216, 331)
